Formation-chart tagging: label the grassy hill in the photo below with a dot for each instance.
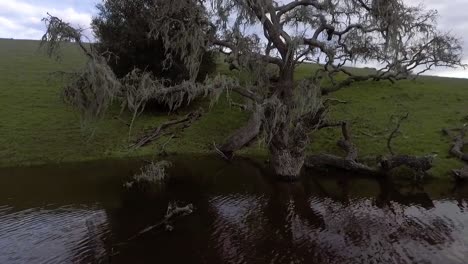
(37, 127)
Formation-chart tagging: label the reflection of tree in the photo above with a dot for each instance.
(390, 192)
(273, 223)
(381, 228)
(460, 192)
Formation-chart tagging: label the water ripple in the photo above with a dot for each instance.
(46, 235)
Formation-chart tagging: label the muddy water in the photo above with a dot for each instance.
(81, 213)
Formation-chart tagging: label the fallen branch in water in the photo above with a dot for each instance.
(173, 212)
(159, 131)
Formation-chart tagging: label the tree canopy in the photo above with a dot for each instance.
(122, 28)
(268, 39)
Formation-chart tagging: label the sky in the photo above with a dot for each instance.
(21, 19)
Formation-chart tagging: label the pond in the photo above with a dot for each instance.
(82, 213)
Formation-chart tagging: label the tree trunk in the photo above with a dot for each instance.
(286, 163)
(287, 146)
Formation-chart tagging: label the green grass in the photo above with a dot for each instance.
(432, 103)
(37, 127)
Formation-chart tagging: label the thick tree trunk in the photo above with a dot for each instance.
(286, 163)
(287, 147)
(287, 151)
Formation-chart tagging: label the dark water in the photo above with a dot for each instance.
(81, 213)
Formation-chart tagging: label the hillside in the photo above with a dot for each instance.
(37, 127)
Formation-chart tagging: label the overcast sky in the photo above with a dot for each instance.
(21, 19)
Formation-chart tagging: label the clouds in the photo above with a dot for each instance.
(452, 19)
(22, 19)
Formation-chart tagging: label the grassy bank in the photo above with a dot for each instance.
(37, 127)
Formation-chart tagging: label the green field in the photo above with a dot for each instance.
(37, 127)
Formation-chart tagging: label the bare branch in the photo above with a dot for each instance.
(160, 130)
(394, 133)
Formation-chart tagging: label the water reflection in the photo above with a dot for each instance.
(82, 214)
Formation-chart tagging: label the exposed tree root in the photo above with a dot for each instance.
(243, 136)
(184, 122)
(350, 162)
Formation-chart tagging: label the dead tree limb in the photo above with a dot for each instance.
(186, 121)
(458, 143)
(350, 163)
(173, 211)
(327, 160)
(418, 164)
(395, 133)
(347, 144)
(457, 151)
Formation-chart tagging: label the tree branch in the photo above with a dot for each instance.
(265, 58)
(281, 10)
(395, 132)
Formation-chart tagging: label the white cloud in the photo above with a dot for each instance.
(22, 20)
